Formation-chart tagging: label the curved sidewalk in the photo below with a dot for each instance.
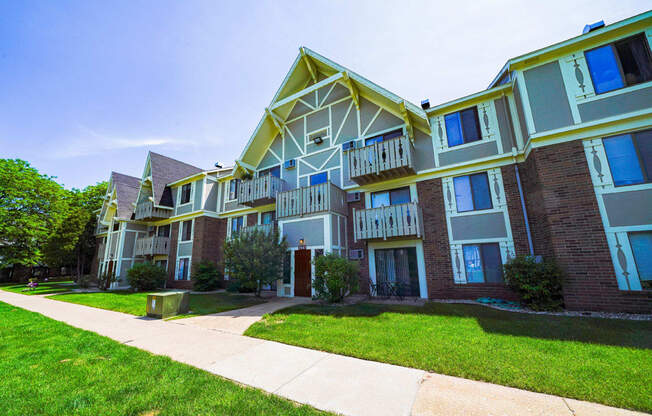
(326, 381)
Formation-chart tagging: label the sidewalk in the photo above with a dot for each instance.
(326, 381)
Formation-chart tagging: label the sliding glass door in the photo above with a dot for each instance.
(398, 266)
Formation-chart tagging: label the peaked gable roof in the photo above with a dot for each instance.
(311, 70)
(126, 189)
(165, 170)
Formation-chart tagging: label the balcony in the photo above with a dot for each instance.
(260, 191)
(266, 228)
(147, 211)
(380, 161)
(401, 220)
(100, 250)
(152, 246)
(309, 200)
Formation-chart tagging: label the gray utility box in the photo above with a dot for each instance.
(167, 304)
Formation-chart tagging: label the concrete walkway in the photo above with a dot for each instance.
(326, 381)
(238, 320)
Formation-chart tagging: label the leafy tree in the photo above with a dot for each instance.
(255, 258)
(206, 277)
(30, 208)
(335, 277)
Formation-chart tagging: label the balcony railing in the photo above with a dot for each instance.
(399, 220)
(384, 160)
(152, 246)
(308, 200)
(260, 191)
(101, 228)
(100, 250)
(147, 211)
(266, 228)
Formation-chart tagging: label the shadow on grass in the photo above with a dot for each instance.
(615, 332)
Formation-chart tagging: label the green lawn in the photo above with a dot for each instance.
(599, 360)
(135, 303)
(43, 288)
(50, 368)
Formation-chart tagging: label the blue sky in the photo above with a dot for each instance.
(87, 87)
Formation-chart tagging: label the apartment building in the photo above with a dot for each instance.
(553, 159)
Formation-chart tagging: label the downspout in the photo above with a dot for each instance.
(518, 177)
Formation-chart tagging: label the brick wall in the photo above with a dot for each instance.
(361, 244)
(515, 210)
(436, 248)
(563, 210)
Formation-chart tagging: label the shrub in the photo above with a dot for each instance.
(84, 281)
(206, 277)
(255, 258)
(235, 286)
(537, 283)
(335, 277)
(105, 279)
(145, 276)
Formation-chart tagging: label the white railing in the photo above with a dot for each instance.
(266, 228)
(311, 200)
(152, 246)
(385, 222)
(391, 157)
(146, 210)
(260, 191)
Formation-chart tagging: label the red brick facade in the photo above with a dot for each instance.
(361, 244)
(436, 250)
(566, 225)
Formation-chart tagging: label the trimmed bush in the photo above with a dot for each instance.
(335, 277)
(537, 283)
(207, 277)
(236, 286)
(145, 276)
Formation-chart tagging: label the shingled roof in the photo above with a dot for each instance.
(126, 188)
(167, 170)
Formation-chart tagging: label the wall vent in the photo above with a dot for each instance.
(352, 196)
(357, 254)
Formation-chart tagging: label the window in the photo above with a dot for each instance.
(162, 264)
(463, 127)
(185, 193)
(620, 64)
(383, 137)
(236, 224)
(186, 230)
(183, 272)
(393, 197)
(233, 189)
(641, 243)
(163, 231)
(630, 157)
(116, 226)
(267, 217)
(397, 266)
(472, 192)
(483, 263)
(318, 178)
(275, 171)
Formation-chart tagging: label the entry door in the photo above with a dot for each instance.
(302, 273)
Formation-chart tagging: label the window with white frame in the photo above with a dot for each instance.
(183, 269)
(163, 230)
(267, 217)
(641, 243)
(233, 189)
(630, 157)
(237, 224)
(186, 230)
(463, 127)
(620, 64)
(472, 192)
(390, 197)
(318, 178)
(185, 193)
(483, 263)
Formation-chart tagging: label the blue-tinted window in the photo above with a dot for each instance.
(472, 192)
(481, 194)
(379, 199)
(236, 224)
(372, 140)
(318, 178)
(453, 129)
(393, 197)
(385, 136)
(604, 70)
(641, 244)
(483, 263)
(623, 160)
(267, 217)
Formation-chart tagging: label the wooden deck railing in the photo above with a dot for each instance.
(146, 210)
(152, 246)
(100, 250)
(399, 220)
(260, 191)
(389, 159)
(308, 200)
(267, 228)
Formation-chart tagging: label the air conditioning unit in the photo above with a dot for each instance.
(348, 145)
(357, 254)
(289, 164)
(352, 196)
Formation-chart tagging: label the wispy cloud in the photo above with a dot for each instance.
(91, 142)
